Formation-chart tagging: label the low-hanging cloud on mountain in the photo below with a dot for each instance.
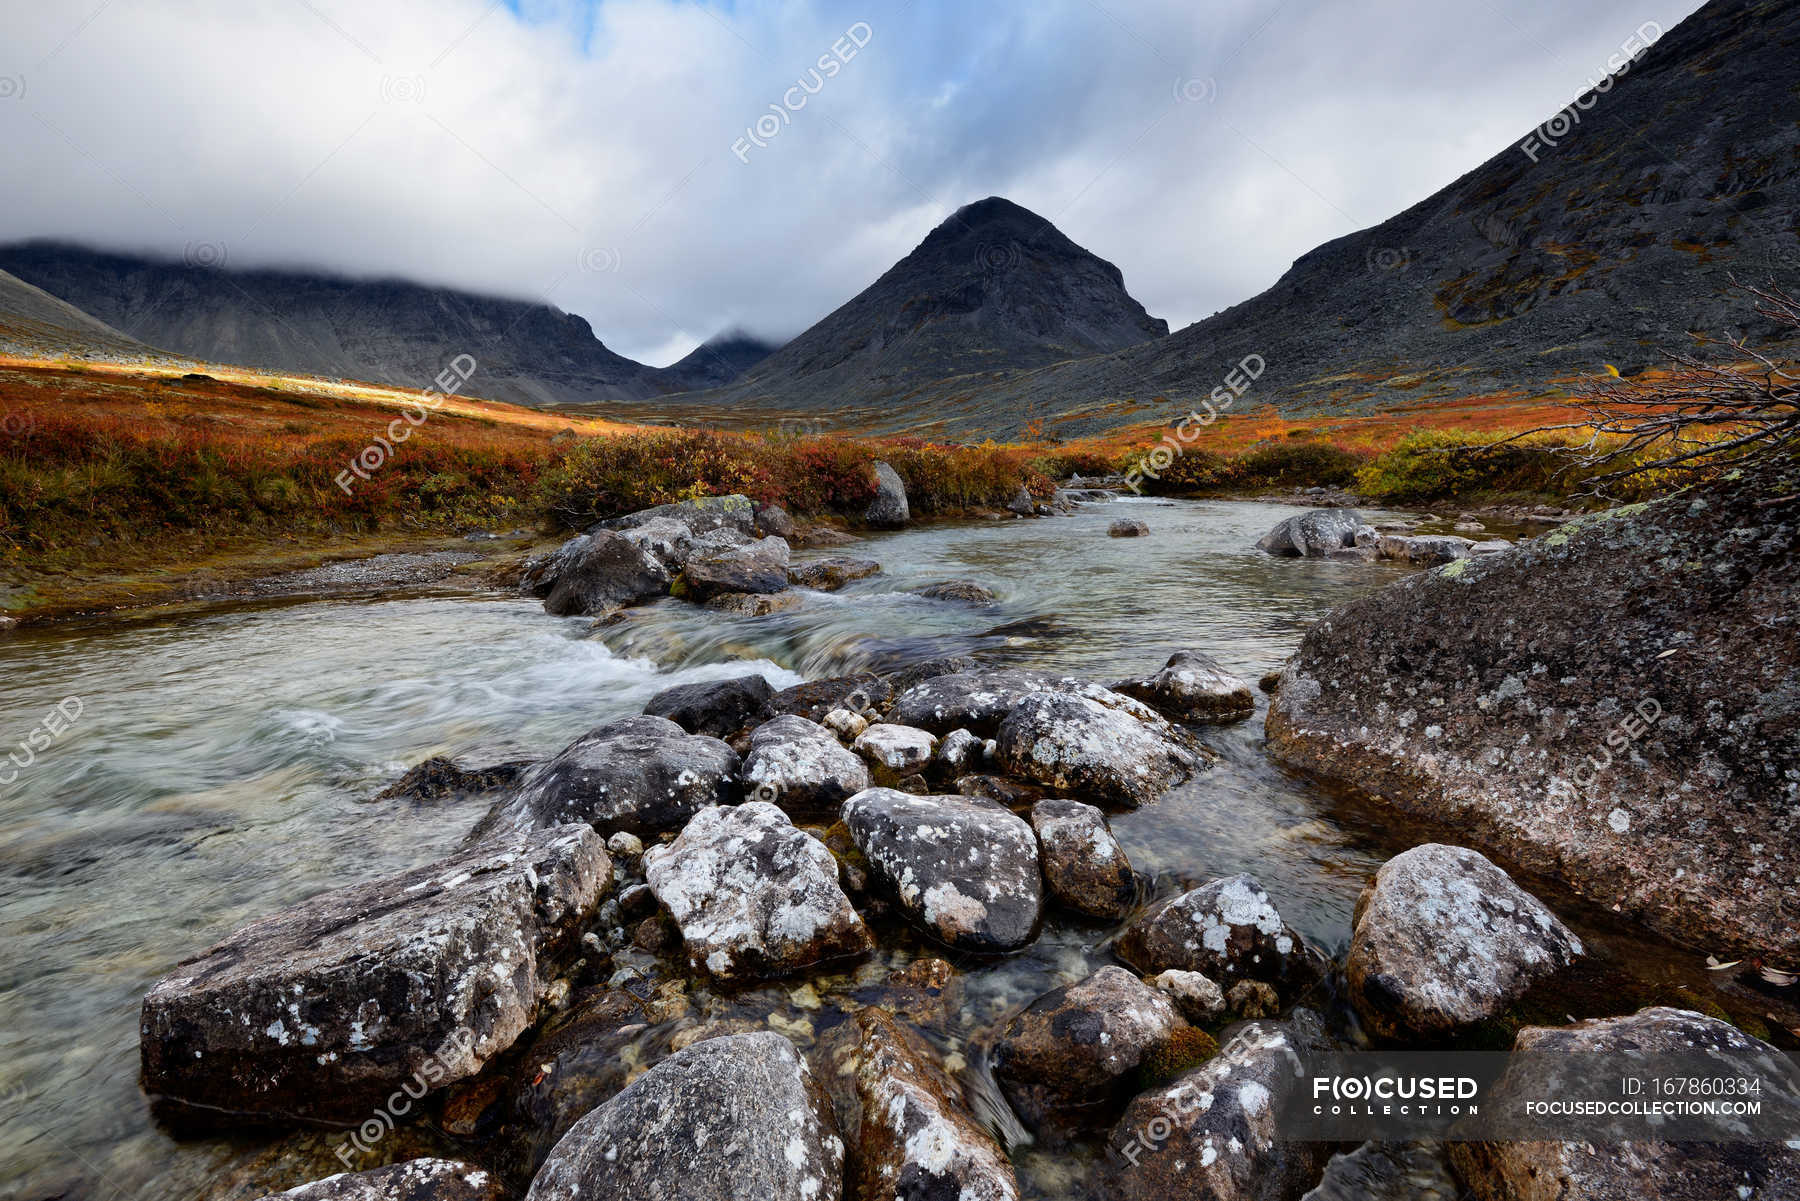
(670, 169)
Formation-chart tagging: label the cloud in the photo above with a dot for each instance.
(583, 152)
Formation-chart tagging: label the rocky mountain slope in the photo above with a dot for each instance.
(994, 290)
(717, 361)
(383, 331)
(1617, 242)
(35, 324)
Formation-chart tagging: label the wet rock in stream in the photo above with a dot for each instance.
(414, 1180)
(718, 709)
(1229, 931)
(802, 767)
(1084, 865)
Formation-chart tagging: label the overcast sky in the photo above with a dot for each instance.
(596, 153)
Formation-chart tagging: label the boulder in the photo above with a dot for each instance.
(1444, 939)
(913, 1138)
(828, 575)
(715, 708)
(1228, 930)
(438, 779)
(1613, 1170)
(964, 591)
(1609, 705)
(414, 1180)
(322, 1010)
(1198, 998)
(901, 749)
(1215, 1132)
(727, 1118)
(1079, 1047)
(607, 571)
(642, 775)
(1415, 1171)
(1423, 550)
(1126, 527)
(1313, 534)
(773, 521)
(800, 766)
(758, 567)
(754, 604)
(957, 753)
(965, 871)
(1073, 743)
(979, 700)
(889, 509)
(703, 515)
(541, 573)
(753, 896)
(1194, 688)
(1022, 504)
(669, 541)
(1084, 865)
(864, 693)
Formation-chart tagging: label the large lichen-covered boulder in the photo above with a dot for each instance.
(754, 897)
(702, 515)
(414, 1180)
(641, 775)
(1228, 930)
(1314, 534)
(756, 568)
(1216, 1132)
(980, 700)
(733, 1117)
(1080, 744)
(889, 509)
(602, 571)
(1613, 705)
(964, 870)
(906, 1120)
(322, 1010)
(1615, 1170)
(1444, 939)
(715, 708)
(1080, 1047)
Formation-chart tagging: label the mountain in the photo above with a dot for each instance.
(35, 324)
(995, 289)
(717, 361)
(1615, 243)
(383, 331)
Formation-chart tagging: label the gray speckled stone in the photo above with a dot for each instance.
(802, 767)
(1444, 939)
(323, 1010)
(639, 774)
(965, 871)
(1193, 687)
(1084, 865)
(414, 1180)
(754, 897)
(1228, 930)
(1078, 744)
(727, 1119)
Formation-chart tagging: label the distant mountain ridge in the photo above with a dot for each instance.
(994, 289)
(385, 331)
(1616, 243)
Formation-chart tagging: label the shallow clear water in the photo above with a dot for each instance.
(224, 765)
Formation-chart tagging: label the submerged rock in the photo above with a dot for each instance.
(1313, 534)
(1444, 939)
(800, 766)
(605, 571)
(966, 591)
(1228, 930)
(889, 509)
(754, 897)
(1423, 550)
(1070, 742)
(642, 775)
(1192, 687)
(414, 1180)
(1126, 527)
(321, 1011)
(1080, 1047)
(965, 871)
(914, 1139)
(828, 575)
(727, 1118)
(1633, 1171)
(439, 779)
(1084, 865)
(755, 568)
(755, 604)
(1215, 1132)
(717, 708)
(1610, 705)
